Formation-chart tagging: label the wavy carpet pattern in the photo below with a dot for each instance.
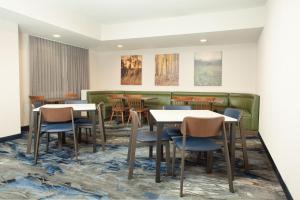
(103, 175)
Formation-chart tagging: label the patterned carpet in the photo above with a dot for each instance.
(103, 175)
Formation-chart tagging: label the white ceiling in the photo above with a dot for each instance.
(80, 21)
(214, 38)
(116, 11)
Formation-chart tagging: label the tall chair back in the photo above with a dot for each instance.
(135, 103)
(71, 95)
(37, 101)
(202, 127)
(117, 104)
(181, 100)
(56, 115)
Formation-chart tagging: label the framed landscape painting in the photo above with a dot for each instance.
(208, 69)
(166, 69)
(131, 70)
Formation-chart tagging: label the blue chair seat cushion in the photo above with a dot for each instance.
(172, 132)
(83, 121)
(149, 136)
(56, 127)
(196, 144)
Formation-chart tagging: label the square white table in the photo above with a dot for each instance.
(161, 117)
(91, 108)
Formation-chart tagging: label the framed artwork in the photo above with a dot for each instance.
(208, 69)
(166, 69)
(131, 70)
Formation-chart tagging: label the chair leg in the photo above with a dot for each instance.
(132, 157)
(173, 159)
(111, 117)
(227, 158)
(79, 135)
(209, 162)
(141, 119)
(59, 141)
(86, 136)
(122, 115)
(75, 145)
(63, 137)
(162, 152)
(47, 145)
(150, 152)
(168, 163)
(129, 118)
(182, 172)
(244, 148)
(36, 151)
(129, 148)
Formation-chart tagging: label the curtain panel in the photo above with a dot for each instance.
(57, 68)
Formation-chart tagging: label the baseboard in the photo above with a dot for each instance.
(281, 181)
(11, 137)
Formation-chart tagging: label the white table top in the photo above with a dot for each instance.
(76, 107)
(179, 115)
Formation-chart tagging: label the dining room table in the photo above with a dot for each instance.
(81, 107)
(164, 117)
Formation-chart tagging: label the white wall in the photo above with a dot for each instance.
(9, 79)
(239, 69)
(279, 88)
(24, 78)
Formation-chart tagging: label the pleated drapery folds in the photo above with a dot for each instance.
(57, 68)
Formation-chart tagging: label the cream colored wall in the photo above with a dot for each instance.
(278, 86)
(239, 69)
(9, 79)
(24, 77)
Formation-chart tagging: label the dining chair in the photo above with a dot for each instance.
(197, 134)
(136, 103)
(55, 120)
(88, 124)
(79, 118)
(202, 103)
(118, 108)
(181, 100)
(148, 138)
(71, 95)
(174, 130)
(236, 114)
(37, 101)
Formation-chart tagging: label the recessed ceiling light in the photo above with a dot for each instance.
(119, 45)
(203, 40)
(56, 35)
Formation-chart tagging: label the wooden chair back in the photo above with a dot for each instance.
(37, 101)
(135, 103)
(117, 104)
(181, 100)
(202, 127)
(56, 115)
(71, 95)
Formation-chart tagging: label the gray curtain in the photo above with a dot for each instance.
(57, 68)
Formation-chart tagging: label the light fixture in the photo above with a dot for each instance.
(56, 35)
(203, 40)
(119, 45)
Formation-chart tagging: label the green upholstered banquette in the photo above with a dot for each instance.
(247, 103)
